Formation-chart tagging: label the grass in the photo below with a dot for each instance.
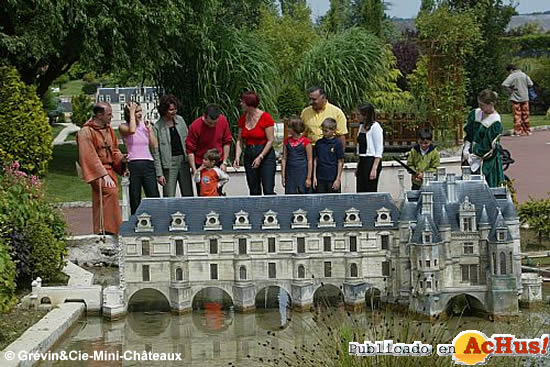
(72, 88)
(61, 182)
(535, 120)
(56, 129)
(13, 324)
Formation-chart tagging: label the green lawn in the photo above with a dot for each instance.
(62, 182)
(56, 129)
(535, 120)
(72, 88)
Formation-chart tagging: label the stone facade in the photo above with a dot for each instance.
(453, 237)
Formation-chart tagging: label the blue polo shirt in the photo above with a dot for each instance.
(327, 153)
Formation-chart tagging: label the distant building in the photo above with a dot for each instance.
(118, 97)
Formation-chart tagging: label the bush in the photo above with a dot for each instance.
(7, 278)
(33, 229)
(82, 109)
(291, 101)
(536, 213)
(25, 134)
(346, 65)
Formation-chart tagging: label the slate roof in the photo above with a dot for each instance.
(196, 209)
(425, 223)
(488, 203)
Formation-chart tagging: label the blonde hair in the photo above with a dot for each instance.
(329, 123)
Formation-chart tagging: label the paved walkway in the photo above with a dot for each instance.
(69, 129)
(531, 170)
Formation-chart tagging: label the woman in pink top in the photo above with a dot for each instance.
(256, 130)
(138, 137)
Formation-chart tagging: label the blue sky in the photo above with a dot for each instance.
(409, 8)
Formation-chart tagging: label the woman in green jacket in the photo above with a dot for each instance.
(482, 140)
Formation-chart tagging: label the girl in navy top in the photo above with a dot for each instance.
(297, 162)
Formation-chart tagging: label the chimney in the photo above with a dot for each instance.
(451, 188)
(427, 203)
(441, 174)
(466, 173)
(401, 177)
(428, 176)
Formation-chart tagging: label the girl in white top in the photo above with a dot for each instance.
(370, 146)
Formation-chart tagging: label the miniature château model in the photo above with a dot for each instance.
(118, 97)
(453, 237)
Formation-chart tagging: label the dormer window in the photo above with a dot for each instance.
(178, 222)
(383, 217)
(122, 98)
(299, 219)
(326, 219)
(352, 218)
(212, 222)
(241, 220)
(467, 215)
(501, 235)
(467, 225)
(144, 223)
(270, 220)
(427, 237)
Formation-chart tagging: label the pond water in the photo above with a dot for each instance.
(217, 336)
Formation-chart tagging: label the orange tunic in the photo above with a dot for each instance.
(99, 156)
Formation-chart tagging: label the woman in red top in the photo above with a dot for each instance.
(256, 130)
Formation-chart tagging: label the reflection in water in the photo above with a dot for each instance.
(274, 298)
(202, 342)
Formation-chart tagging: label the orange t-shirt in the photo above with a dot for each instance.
(209, 182)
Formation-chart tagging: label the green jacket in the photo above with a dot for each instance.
(163, 153)
(426, 163)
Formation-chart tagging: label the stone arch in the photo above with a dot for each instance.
(328, 294)
(211, 295)
(464, 303)
(372, 298)
(76, 300)
(147, 299)
(273, 296)
(45, 301)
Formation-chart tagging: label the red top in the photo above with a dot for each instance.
(209, 182)
(294, 142)
(202, 137)
(256, 136)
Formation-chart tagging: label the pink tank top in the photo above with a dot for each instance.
(138, 144)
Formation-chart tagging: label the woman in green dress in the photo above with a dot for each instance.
(482, 140)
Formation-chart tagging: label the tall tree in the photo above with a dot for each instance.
(338, 17)
(288, 6)
(487, 68)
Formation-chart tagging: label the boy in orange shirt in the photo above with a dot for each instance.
(209, 177)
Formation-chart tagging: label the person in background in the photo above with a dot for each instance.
(100, 161)
(423, 157)
(328, 163)
(211, 130)
(518, 84)
(208, 176)
(482, 140)
(297, 162)
(138, 138)
(171, 165)
(256, 130)
(319, 110)
(370, 147)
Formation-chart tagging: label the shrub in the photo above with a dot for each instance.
(291, 101)
(7, 278)
(25, 134)
(33, 229)
(536, 213)
(82, 109)
(90, 88)
(346, 65)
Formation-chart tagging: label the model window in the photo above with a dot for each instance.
(353, 270)
(301, 245)
(386, 268)
(272, 270)
(179, 247)
(242, 246)
(213, 245)
(385, 241)
(146, 276)
(271, 244)
(213, 271)
(353, 243)
(328, 269)
(145, 248)
(327, 244)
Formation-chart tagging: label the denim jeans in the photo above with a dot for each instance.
(261, 178)
(142, 174)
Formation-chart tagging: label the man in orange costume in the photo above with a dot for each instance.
(100, 158)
